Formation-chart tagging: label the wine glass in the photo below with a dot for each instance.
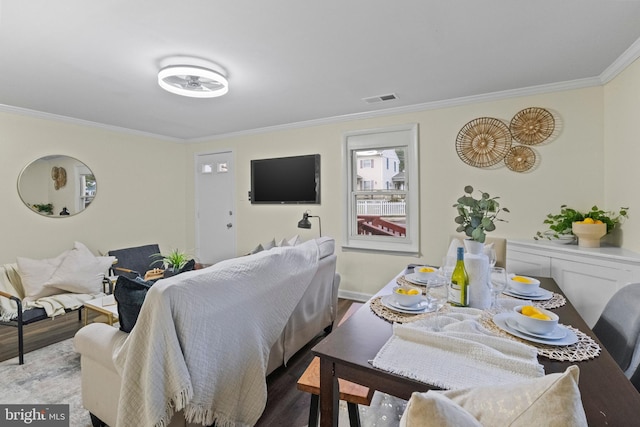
(497, 283)
(447, 266)
(492, 257)
(438, 299)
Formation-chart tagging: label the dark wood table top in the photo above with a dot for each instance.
(608, 396)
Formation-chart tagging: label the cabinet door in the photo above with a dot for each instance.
(528, 264)
(589, 286)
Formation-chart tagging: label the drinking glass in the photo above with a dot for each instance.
(492, 257)
(438, 299)
(497, 283)
(447, 266)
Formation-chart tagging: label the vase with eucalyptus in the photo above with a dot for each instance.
(477, 217)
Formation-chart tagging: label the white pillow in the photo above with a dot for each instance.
(80, 272)
(34, 273)
(552, 400)
(283, 242)
(294, 240)
(269, 245)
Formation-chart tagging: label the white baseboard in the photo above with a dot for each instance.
(355, 296)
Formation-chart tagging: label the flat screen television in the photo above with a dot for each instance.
(294, 180)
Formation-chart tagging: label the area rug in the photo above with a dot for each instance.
(50, 375)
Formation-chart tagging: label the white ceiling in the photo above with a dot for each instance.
(292, 61)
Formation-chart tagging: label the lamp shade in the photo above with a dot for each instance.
(304, 222)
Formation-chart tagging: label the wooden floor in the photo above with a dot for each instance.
(286, 405)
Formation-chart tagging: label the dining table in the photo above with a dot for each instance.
(608, 397)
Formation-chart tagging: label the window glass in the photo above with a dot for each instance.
(382, 189)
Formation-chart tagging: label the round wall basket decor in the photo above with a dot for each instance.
(483, 142)
(520, 158)
(532, 125)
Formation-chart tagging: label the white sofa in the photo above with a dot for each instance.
(315, 313)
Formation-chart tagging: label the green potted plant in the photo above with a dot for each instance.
(172, 262)
(561, 224)
(476, 217)
(46, 208)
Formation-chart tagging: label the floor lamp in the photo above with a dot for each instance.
(305, 223)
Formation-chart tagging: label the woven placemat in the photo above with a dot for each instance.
(586, 348)
(402, 281)
(555, 301)
(395, 316)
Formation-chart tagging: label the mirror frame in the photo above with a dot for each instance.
(57, 186)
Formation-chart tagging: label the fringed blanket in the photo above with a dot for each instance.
(202, 340)
(54, 305)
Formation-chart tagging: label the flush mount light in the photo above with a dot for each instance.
(192, 81)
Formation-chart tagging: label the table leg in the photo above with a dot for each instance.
(329, 394)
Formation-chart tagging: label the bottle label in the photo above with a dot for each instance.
(458, 295)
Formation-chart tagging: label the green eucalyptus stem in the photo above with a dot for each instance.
(476, 217)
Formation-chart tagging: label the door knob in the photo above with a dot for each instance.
(229, 225)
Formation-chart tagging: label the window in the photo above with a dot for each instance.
(382, 203)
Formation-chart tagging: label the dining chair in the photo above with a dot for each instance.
(618, 328)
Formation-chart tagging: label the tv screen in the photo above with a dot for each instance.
(286, 180)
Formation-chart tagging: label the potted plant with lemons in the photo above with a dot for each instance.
(589, 227)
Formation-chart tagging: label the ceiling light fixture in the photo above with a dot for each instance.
(192, 81)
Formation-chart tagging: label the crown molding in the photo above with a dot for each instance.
(621, 63)
(487, 97)
(70, 120)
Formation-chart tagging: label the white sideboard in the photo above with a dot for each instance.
(588, 276)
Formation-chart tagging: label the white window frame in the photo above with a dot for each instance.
(376, 139)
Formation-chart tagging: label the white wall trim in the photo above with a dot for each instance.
(354, 296)
(65, 119)
(622, 62)
(487, 97)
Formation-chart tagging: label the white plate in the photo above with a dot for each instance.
(413, 278)
(423, 307)
(500, 320)
(556, 334)
(539, 295)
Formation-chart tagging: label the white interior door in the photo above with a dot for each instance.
(215, 209)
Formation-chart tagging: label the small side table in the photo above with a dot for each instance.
(104, 305)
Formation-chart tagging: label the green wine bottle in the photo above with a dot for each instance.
(459, 287)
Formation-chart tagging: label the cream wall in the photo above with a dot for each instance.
(622, 150)
(140, 196)
(569, 171)
(146, 195)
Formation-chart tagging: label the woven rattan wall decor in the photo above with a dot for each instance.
(532, 125)
(483, 142)
(520, 158)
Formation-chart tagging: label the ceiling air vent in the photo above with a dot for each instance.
(380, 98)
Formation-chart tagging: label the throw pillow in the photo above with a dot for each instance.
(130, 294)
(257, 249)
(34, 273)
(435, 409)
(80, 272)
(270, 245)
(552, 400)
(294, 240)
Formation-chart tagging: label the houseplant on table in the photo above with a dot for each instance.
(172, 262)
(475, 218)
(561, 225)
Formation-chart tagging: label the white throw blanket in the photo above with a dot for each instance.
(53, 305)
(202, 340)
(464, 354)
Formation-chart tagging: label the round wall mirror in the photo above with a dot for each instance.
(57, 186)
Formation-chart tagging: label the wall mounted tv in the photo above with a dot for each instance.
(283, 180)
